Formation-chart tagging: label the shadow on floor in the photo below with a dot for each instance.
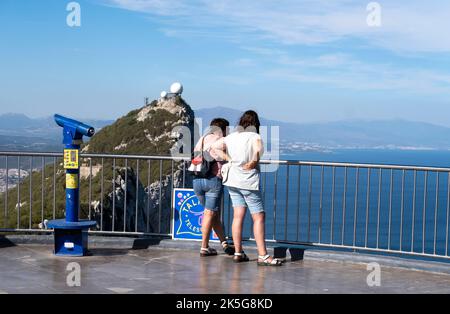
(145, 243)
(107, 252)
(138, 244)
(5, 242)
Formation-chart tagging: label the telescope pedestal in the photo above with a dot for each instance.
(71, 238)
(71, 235)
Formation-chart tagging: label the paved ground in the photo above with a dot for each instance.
(29, 268)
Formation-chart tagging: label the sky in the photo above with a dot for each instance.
(291, 60)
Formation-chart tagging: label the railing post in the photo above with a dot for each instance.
(125, 197)
(30, 221)
(90, 189)
(148, 194)
(448, 214)
(42, 190)
(309, 202)
(18, 194)
(54, 187)
(136, 213)
(160, 196)
(321, 203)
(114, 196)
(172, 181)
(425, 190)
(355, 214)
(436, 206)
(6, 192)
(332, 205)
(413, 220)
(402, 207)
(287, 205)
(380, 180)
(102, 192)
(298, 200)
(344, 205)
(275, 186)
(367, 207)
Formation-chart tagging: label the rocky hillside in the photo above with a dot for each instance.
(135, 194)
(145, 131)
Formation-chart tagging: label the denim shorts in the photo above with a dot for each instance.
(247, 198)
(209, 192)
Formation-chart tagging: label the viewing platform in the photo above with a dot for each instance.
(349, 217)
(28, 266)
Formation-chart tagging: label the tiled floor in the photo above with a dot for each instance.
(33, 269)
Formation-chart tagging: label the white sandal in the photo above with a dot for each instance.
(265, 261)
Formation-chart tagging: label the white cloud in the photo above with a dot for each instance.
(243, 62)
(320, 61)
(343, 71)
(412, 26)
(160, 7)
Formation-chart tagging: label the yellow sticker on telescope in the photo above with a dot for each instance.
(71, 181)
(71, 159)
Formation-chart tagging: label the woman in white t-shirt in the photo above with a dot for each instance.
(244, 149)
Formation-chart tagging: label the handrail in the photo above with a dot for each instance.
(264, 161)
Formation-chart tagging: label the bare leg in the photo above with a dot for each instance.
(218, 227)
(259, 232)
(238, 222)
(208, 217)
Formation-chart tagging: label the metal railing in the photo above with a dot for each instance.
(381, 208)
(127, 195)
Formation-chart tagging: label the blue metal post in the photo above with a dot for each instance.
(71, 236)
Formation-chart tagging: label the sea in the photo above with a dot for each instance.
(394, 210)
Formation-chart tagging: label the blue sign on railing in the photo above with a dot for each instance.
(188, 216)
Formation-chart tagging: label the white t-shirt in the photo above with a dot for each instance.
(240, 149)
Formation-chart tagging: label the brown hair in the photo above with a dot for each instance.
(250, 119)
(221, 123)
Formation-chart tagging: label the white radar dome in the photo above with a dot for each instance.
(163, 94)
(176, 88)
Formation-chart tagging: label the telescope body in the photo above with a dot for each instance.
(73, 130)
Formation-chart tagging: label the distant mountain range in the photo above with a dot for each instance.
(351, 134)
(19, 132)
(21, 125)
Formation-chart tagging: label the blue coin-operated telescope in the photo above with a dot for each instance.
(71, 236)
